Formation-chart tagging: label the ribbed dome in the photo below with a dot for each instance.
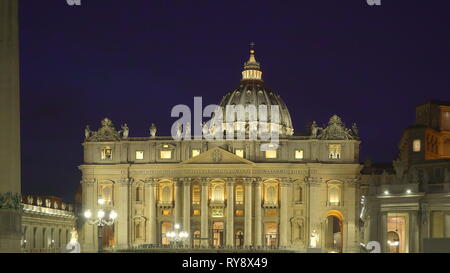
(251, 91)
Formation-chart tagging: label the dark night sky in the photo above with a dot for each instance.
(134, 60)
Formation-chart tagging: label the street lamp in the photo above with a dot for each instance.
(176, 236)
(100, 221)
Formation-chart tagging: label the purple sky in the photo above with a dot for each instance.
(132, 61)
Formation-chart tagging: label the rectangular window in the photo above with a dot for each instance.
(196, 195)
(446, 121)
(271, 212)
(271, 154)
(166, 212)
(437, 224)
(239, 152)
(239, 212)
(165, 154)
(195, 152)
(106, 153)
(139, 155)
(298, 154)
(334, 151)
(196, 212)
(416, 145)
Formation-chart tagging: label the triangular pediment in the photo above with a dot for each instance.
(217, 155)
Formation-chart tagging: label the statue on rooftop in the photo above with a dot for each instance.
(153, 130)
(125, 131)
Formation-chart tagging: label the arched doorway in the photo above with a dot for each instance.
(196, 238)
(108, 236)
(217, 232)
(334, 231)
(239, 239)
(271, 234)
(393, 240)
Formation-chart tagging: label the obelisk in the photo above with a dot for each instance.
(10, 200)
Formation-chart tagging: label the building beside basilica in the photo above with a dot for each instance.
(301, 194)
(46, 224)
(407, 204)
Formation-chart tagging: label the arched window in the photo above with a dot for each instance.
(271, 194)
(239, 195)
(196, 195)
(106, 193)
(334, 195)
(218, 193)
(166, 194)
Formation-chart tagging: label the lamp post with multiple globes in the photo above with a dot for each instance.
(100, 221)
(176, 236)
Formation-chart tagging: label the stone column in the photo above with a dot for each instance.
(89, 202)
(10, 212)
(258, 211)
(150, 199)
(447, 225)
(284, 186)
(122, 203)
(383, 232)
(177, 208)
(230, 213)
(187, 209)
(248, 212)
(204, 230)
(413, 233)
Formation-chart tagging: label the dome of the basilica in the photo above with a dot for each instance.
(252, 91)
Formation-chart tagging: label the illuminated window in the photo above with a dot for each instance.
(416, 145)
(165, 154)
(298, 154)
(271, 212)
(271, 194)
(106, 153)
(239, 195)
(239, 212)
(195, 152)
(166, 193)
(218, 193)
(334, 151)
(196, 212)
(271, 154)
(139, 155)
(446, 121)
(196, 195)
(166, 212)
(334, 195)
(239, 152)
(106, 193)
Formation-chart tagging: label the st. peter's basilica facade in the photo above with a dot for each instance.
(229, 193)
